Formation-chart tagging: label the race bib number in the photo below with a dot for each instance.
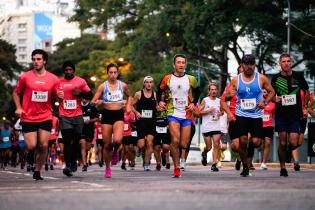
(134, 133)
(99, 136)
(114, 96)
(126, 127)
(288, 100)
(38, 96)
(180, 103)
(266, 117)
(146, 113)
(248, 104)
(161, 129)
(86, 118)
(70, 104)
(5, 139)
(214, 117)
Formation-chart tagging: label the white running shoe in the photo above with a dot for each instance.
(263, 166)
(182, 165)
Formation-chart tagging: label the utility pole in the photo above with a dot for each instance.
(289, 26)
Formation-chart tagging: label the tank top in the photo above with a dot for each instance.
(113, 96)
(211, 121)
(249, 94)
(268, 114)
(147, 106)
(6, 138)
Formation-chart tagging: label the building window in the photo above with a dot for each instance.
(22, 49)
(21, 41)
(22, 56)
(22, 25)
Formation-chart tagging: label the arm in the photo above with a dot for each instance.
(271, 92)
(230, 92)
(129, 97)
(134, 103)
(95, 100)
(17, 99)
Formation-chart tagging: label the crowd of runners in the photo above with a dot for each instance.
(122, 126)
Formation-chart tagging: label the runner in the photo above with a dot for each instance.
(181, 95)
(6, 136)
(268, 130)
(90, 116)
(19, 135)
(224, 137)
(36, 86)
(287, 85)
(250, 105)
(99, 143)
(70, 91)
(113, 115)
(211, 128)
(144, 103)
(51, 155)
(128, 141)
(231, 115)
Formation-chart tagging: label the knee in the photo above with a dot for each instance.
(175, 143)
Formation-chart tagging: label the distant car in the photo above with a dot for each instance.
(194, 155)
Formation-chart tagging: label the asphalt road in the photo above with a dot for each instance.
(198, 188)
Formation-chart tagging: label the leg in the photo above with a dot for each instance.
(174, 129)
(149, 148)
(282, 148)
(107, 131)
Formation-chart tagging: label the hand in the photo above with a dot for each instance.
(60, 94)
(162, 105)
(231, 117)
(19, 112)
(87, 121)
(138, 115)
(261, 105)
(305, 112)
(278, 99)
(191, 107)
(76, 92)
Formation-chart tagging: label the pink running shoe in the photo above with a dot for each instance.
(115, 157)
(108, 173)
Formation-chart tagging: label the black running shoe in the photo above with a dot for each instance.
(90, 163)
(51, 167)
(37, 176)
(158, 167)
(238, 165)
(284, 172)
(28, 168)
(46, 167)
(100, 164)
(168, 166)
(123, 166)
(163, 157)
(84, 168)
(204, 158)
(214, 168)
(67, 171)
(297, 167)
(245, 172)
(73, 166)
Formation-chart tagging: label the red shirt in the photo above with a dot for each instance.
(37, 93)
(268, 114)
(53, 134)
(233, 100)
(98, 130)
(70, 106)
(128, 119)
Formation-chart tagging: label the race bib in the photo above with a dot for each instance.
(70, 104)
(5, 139)
(146, 113)
(126, 126)
(266, 117)
(214, 117)
(99, 136)
(248, 104)
(134, 133)
(114, 96)
(180, 103)
(38, 96)
(86, 118)
(288, 100)
(161, 129)
(52, 131)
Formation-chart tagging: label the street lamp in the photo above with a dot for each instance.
(93, 78)
(167, 34)
(121, 59)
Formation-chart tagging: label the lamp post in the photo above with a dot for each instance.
(289, 26)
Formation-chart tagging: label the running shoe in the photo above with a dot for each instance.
(182, 164)
(46, 167)
(204, 158)
(168, 166)
(163, 157)
(284, 172)
(176, 173)
(245, 172)
(297, 167)
(37, 176)
(146, 167)
(123, 166)
(51, 167)
(84, 168)
(90, 162)
(238, 165)
(67, 171)
(263, 166)
(74, 166)
(214, 168)
(158, 167)
(28, 168)
(108, 173)
(100, 164)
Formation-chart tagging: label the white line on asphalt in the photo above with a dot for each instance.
(28, 174)
(87, 183)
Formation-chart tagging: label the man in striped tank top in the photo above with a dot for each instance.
(249, 107)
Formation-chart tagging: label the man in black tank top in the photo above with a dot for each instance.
(145, 111)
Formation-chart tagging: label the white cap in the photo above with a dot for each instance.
(147, 78)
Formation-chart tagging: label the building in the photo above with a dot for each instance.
(31, 24)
